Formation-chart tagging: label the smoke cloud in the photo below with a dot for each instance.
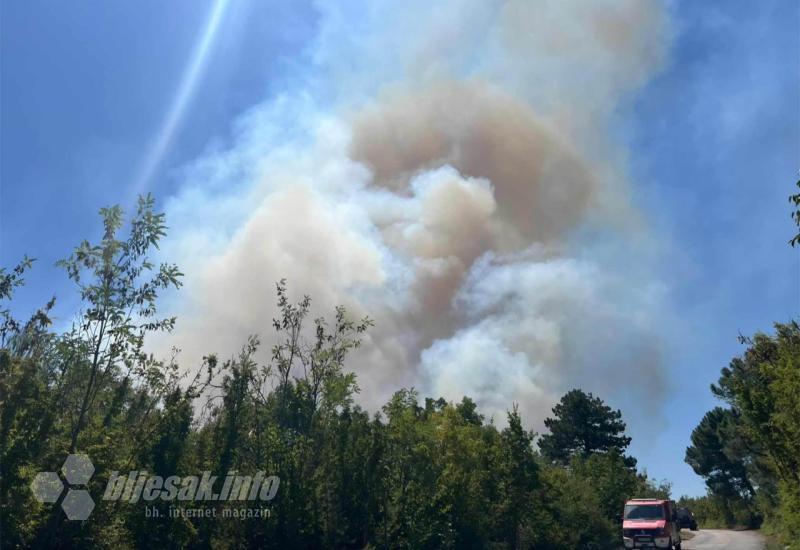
(452, 173)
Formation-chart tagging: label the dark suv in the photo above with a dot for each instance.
(686, 519)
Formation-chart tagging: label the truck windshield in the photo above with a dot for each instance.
(644, 511)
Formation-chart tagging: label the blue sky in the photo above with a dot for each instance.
(85, 90)
(712, 147)
(716, 140)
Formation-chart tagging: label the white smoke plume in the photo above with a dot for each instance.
(450, 170)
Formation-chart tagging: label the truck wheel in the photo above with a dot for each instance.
(678, 546)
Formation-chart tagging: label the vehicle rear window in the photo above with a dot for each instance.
(644, 511)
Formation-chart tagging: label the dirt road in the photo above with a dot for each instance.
(713, 539)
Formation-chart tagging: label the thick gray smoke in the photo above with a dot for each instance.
(453, 175)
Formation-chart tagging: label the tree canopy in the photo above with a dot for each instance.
(419, 473)
(583, 425)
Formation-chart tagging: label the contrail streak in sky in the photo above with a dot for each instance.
(183, 96)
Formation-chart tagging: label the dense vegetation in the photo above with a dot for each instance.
(749, 450)
(418, 474)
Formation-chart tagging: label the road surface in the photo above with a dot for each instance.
(714, 539)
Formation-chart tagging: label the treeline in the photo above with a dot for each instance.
(418, 474)
(748, 451)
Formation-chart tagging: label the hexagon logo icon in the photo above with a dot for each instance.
(47, 487)
(78, 469)
(77, 504)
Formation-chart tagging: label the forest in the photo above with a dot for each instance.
(419, 473)
(748, 451)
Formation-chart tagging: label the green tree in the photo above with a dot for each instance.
(583, 425)
(761, 387)
(795, 214)
(518, 485)
(725, 473)
(119, 295)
